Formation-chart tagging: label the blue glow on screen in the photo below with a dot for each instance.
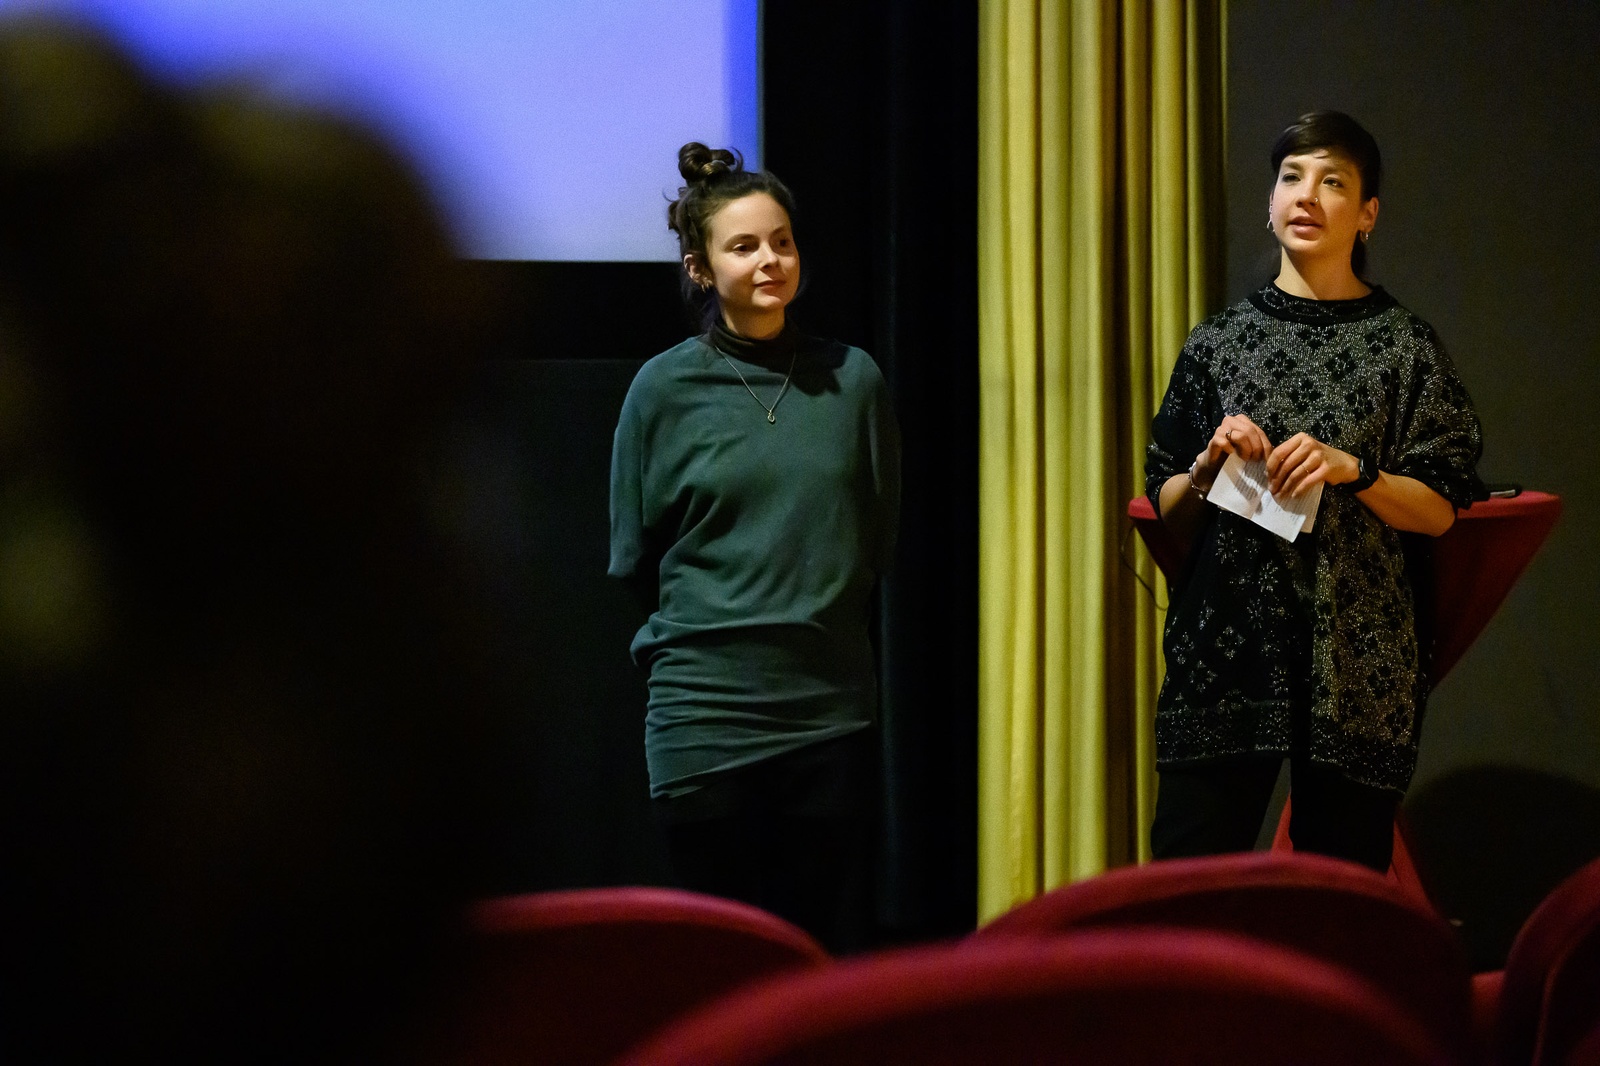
(548, 129)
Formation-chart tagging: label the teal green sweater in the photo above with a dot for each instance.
(758, 543)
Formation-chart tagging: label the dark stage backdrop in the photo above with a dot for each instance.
(1487, 117)
(565, 767)
(870, 117)
(526, 492)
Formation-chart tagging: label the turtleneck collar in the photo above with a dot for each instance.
(775, 351)
(1290, 308)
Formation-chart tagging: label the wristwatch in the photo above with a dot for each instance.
(1366, 475)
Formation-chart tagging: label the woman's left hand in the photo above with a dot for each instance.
(1303, 461)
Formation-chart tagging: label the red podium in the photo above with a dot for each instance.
(1475, 564)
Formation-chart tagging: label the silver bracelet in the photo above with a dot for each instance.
(1198, 490)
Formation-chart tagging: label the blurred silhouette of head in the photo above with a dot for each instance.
(232, 678)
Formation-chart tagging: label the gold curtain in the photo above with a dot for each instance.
(1100, 219)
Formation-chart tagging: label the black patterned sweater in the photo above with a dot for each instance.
(1308, 647)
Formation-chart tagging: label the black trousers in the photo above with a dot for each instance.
(1216, 808)
(791, 834)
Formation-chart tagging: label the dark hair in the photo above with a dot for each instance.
(1336, 132)
(713, 179)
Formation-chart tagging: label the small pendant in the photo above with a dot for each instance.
(771, 417)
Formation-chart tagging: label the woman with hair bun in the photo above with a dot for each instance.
(1305, 649)
(754, 499)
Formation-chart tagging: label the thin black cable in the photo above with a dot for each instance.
(1122, 553)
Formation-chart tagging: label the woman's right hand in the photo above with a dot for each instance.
(1236, 435)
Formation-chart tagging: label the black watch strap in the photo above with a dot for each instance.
(1366, 475)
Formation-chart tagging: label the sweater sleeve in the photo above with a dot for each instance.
(629, 557)
(1188, 416)
(1435, 436)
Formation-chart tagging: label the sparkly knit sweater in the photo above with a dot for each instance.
(1308, 647)
(756, 541)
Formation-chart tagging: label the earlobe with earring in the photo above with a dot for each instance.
(1366, 235)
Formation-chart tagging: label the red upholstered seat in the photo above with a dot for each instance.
(1329, 909)
(1549, 994)
(577, 977)
(1587, 1053)
(1571, 999)
(1486, 989)
(1090, 999)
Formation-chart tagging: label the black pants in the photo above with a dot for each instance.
(1208, 810)
(791, 834)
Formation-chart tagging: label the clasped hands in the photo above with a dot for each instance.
(1293, 467)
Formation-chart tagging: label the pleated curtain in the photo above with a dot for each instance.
(1100, 219)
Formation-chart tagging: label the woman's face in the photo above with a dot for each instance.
(753, 263)
(1316, 208)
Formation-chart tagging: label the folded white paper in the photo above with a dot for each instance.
(1241, 487)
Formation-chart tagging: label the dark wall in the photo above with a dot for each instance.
(1487, 117)
(567, 785)
(527, 466)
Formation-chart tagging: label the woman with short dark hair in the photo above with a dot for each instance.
(1304, 648)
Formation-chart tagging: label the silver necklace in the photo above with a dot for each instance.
(772, 415)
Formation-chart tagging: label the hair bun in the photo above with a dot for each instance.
(699, 164)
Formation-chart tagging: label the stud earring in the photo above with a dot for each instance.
(1366, 235)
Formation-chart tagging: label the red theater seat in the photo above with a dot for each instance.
(1089, 999)
(1587, 1053)
(1549, 993)
(576, 977)
(1325, 908)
